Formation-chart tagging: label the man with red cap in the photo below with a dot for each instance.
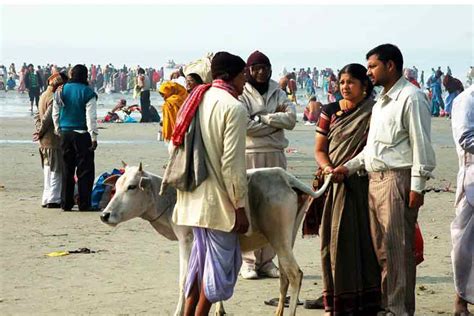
(269, 114)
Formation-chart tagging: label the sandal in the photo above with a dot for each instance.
(275, 301)
(314, 304)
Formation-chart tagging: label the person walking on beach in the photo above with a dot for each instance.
(437, 104)
(75, 120)
(399, 158)
(33, 84)
(21, 76)
(454, 87)
(143, 82)
(50, 151)
(462, 227)
(216, 208)
(270, 113)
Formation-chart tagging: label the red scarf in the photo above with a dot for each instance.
(188, 109)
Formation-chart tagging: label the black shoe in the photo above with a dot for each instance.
(44, 205)
(314, 304)
(90, 209)
(67, 209)
(53, 205)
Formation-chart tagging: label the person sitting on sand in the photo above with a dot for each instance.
(312, 111)
(112, 116)
(11, 83)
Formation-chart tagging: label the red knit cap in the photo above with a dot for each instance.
(258, 57)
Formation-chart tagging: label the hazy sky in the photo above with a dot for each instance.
(152, 34)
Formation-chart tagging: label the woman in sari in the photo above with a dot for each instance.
(351, 275)
(174, 95)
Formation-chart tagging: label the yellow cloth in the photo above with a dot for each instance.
(174, 95)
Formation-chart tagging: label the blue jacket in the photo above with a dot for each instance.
(75, 96)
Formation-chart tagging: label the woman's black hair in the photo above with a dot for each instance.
(360, 73)
(196, 78)
(79, 74)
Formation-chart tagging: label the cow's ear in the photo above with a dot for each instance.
(145, 182)
(111, 180)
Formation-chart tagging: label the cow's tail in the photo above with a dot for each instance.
(297, 184)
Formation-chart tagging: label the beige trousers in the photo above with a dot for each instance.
(392, 228)
(259, 258)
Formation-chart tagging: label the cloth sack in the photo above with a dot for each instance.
(186, 169)
(201, 67)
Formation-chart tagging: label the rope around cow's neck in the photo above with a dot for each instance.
(155, 219)
(160, 214)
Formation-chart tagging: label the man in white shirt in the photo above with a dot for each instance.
(399, 159)
(462, 227)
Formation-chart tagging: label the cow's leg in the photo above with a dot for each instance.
(283, 290)
(220, 309)
(185, 242)
(294, 276)
(277, 224)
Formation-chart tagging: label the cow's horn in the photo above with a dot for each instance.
(124, 164)
(140, 167)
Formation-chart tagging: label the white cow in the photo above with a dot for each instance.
(277, 201)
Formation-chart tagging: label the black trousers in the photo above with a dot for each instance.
(78, 160)
(145, 105)
(34, 94)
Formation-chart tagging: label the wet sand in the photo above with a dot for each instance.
(134, 270)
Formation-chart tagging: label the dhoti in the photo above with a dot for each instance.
(215, 259)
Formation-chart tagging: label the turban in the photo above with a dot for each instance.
(226, 63)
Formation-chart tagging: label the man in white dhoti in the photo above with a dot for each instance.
(215, 209)
(462, 227)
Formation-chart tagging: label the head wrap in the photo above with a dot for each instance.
(170, 88)
(56, 80)
(258, 58)
(225, 63)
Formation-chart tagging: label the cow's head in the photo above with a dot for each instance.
(133, 196)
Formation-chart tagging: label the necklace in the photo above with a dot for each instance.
(346, 105)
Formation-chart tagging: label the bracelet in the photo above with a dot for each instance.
(325, 166)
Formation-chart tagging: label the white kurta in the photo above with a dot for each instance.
(212, 204)
(462, 227)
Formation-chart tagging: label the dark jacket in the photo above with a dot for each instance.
(38, 79)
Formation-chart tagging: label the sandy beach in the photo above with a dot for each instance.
(134, 270)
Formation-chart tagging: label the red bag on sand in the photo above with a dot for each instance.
(418, 244)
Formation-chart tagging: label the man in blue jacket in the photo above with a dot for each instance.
(75, 120)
